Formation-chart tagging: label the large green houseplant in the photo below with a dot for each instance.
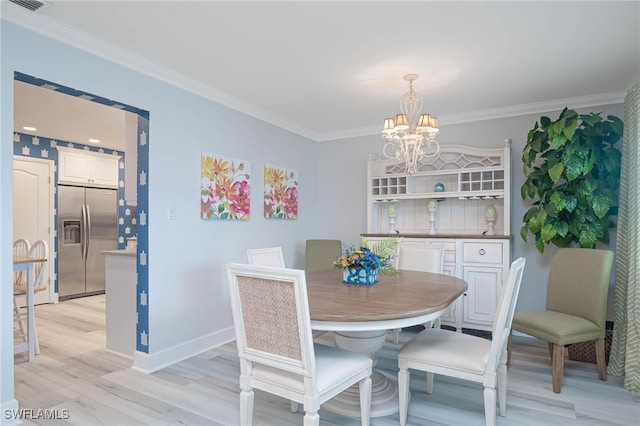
(572, 175)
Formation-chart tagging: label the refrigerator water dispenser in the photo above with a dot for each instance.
(70, 232)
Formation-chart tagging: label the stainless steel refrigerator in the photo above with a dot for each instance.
(87, 225)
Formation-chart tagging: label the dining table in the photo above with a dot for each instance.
(360, 316)
(27, 264)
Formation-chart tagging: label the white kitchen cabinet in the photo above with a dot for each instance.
(410, 206)
(76, 167)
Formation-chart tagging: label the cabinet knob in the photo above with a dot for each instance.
(482, 252)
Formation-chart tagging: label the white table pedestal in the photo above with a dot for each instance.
(384, 389)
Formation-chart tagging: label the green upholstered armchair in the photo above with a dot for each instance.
(320, 254)
(576, 307)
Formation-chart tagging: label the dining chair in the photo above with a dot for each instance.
(464, 356)
(20, 249)
(320, 254)
(576, 308)
(271, 256)
(275, 345)
(424, 259)
(38, 250)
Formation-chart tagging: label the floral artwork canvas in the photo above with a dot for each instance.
(224, 187)
(280, 192)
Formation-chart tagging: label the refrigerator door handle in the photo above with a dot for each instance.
(88, 233)
(83, 233)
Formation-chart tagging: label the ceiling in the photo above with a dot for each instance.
(330, 70)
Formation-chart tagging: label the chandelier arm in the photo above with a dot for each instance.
(391, 145)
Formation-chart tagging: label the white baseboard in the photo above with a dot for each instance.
(9, 415)
(149, 363)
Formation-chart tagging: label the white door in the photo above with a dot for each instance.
(33, 211)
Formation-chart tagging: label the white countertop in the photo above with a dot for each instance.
(130, 253)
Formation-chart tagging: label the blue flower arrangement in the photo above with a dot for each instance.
(377, 258)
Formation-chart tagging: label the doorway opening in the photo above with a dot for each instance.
(46, 142)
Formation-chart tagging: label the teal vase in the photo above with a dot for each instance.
(359, 276)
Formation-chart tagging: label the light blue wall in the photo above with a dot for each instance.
(188, 300)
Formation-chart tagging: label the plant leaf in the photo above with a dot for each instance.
(573, 164)
(544, 122)
(547, 232)
(571, 201)
(600, 205)
(587, 238)
(561, 228)
(534, 225)
(556, 172)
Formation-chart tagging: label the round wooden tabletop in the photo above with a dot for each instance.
(402, 298)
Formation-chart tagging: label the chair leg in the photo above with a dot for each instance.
(365, 401)
(509, 342)
(311, 419)
(489, 406)
(601, 359)
(429, 383)
(550, 346)
(557, 366)
(246, 407)
(403, 390)
(20, 319)
(502, 385)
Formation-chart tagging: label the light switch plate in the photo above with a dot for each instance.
(171, 212)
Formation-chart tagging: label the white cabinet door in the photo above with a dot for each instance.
(73, 167)
(88, 169)
(104, 171)
(482, 295)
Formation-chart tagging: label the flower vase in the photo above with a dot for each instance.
(359, 276)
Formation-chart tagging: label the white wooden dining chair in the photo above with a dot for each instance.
(463, 356)
(271, 256)
(424, 259)
(38, 250)
(21, 249)
(275, 346)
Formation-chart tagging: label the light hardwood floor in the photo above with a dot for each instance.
(75, 373)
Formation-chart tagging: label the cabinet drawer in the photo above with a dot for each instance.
(482, 252)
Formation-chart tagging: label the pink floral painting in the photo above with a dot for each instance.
(280, 192)
(224, 187)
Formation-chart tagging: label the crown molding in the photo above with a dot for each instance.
(108, 51)
(68, 35)
(497, 113)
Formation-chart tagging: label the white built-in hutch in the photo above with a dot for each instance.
(447, 202)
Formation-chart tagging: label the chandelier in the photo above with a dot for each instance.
(411, 136)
